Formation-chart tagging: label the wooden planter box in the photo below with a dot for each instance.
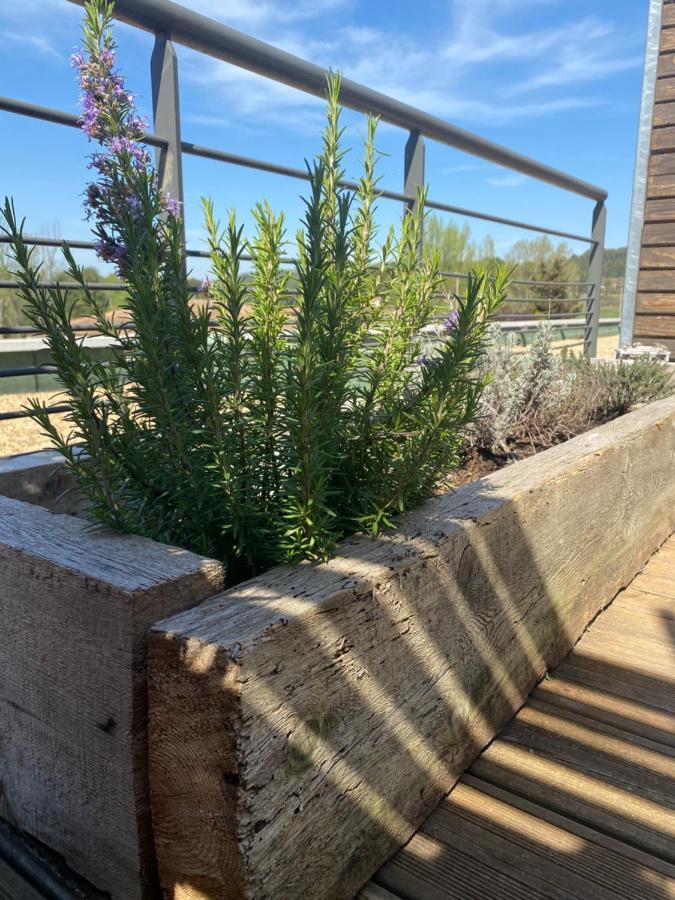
(302, 725)
(75, 606)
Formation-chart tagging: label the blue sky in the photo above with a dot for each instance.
(558, 80)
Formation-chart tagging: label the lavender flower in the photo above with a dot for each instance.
(171, 205)
(109, 251)
(450, 323)
(134, 204)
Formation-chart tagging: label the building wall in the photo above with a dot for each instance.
(655, 301)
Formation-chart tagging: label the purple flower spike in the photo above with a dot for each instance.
(134, 202)
(451, 322)
(171, 205)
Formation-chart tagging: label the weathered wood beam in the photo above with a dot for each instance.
(302, 725)
(75, 606)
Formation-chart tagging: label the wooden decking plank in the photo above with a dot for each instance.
(372, 891)
(658, 591)
(493, 832)
(668, 543)
(650, 601)
(425, 869)
(612, 635)
(645, 606)
(596, 801)
(661, 564)
(603, 706)
(628, 655)
(582, 749)
(624, 855)
(605, 737)
(654, 692)
(645, 633)
(542, 849)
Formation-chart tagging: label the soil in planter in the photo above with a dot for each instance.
(478, 462)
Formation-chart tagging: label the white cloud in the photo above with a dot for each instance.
(477, 67)
(575, 68)
(42, 44)
(473, 70)
(264, 12)
(508, 180)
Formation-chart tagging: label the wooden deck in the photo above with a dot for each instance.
(576, 797)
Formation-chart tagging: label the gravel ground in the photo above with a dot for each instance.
(24, 435)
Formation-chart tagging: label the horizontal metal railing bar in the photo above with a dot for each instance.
(40, 241)
(525, 281)
(28, 370)
(66, 285)
(59, 117)
(303, 175)
(24, 414)
(73, 286)
(528, 317)
(222, 42)
(501, 220)
(545, 300)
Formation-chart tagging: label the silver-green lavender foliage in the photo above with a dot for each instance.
(522, 384)
(617, 387)
(308, 411)
(538, 396)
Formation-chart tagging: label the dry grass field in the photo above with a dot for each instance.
(20, 435)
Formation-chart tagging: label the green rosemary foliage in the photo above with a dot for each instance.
(306, 402)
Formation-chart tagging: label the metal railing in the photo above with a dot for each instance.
(174, 24)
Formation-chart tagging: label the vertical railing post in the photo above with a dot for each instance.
(413, 170)
(166, 115)
(595, 278)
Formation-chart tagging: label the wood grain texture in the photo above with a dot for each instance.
(664, 114)
(658, 233)
(665, 67)
(664, 138)
(658, 281)
(332, 706)
(660, 210)
(575, 799)
(660, 258)
(665, 88)
(667, 40)
(75, 604)
(660, 186)
(663, 304)
(656, 327)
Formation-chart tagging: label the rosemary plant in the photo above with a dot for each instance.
(298, 405)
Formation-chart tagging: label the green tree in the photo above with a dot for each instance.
(552, 266)
(458, 250)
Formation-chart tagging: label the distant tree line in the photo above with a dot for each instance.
(537, 260)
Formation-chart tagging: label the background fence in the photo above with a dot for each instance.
(23, 354)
